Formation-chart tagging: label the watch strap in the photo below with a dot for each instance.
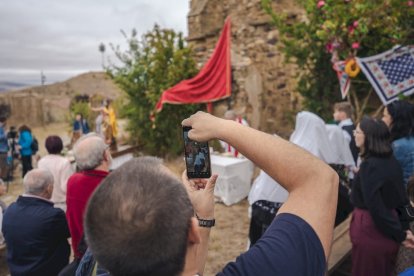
(205, 222)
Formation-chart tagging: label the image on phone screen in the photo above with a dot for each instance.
(197, 157)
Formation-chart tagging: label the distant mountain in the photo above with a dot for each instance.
(40, 105)
(9, 85)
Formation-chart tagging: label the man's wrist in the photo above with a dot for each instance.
(204, 215)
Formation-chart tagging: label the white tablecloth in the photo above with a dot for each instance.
(234, 181)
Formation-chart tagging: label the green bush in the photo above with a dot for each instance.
(81, 107)
(150, 65)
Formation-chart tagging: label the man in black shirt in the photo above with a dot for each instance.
(141, 220)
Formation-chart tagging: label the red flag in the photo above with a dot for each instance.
(212, 83)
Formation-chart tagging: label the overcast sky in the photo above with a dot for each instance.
(62, 37)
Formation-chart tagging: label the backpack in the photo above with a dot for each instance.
(34, 146)
(4, 147)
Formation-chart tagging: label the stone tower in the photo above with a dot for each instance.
(263, 86)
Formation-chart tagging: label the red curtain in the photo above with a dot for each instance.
(212, 83)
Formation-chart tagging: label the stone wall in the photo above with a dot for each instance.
(263, 86)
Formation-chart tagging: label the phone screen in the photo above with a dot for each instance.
(197, 157)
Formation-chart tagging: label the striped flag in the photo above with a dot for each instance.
(344, 80)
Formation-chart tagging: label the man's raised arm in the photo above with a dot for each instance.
(312, 185)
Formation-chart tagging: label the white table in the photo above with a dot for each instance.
(234, 181)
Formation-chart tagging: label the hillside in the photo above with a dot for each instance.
(41, 105)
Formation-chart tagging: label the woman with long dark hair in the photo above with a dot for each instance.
(25, 147)
(398, 116)
(377, 193)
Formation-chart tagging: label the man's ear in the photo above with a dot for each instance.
(194, 234)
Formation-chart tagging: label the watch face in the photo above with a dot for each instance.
(206, 223)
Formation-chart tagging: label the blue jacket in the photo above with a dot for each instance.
(404, 152)
(78, 124)
(4, 145)
(36, 236)
(25, 141)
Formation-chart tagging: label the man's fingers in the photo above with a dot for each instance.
(187, 183)
(211, 183)
(186, 122)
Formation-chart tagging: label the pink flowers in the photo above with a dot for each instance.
(355, 24)
(329, 47)
(320, 4)
(352, 28)
(355, 45)
(410, 3)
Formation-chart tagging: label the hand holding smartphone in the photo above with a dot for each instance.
(197, 157)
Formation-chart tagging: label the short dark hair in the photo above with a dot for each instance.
(24, 128)
(54, 144)
(377, 138)
(344, 107)
(138, 219)
(402, 124)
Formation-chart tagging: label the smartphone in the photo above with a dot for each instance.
(197, 157)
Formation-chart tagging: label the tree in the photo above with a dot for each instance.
(151, 65)
(340, 29)
(102, 49)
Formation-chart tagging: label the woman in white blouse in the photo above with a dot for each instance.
(60, 167)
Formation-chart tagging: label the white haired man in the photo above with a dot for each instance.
(93, 160)
(36, 233)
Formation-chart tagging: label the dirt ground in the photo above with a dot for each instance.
(227, 240)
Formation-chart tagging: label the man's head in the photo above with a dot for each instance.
(342, 111)
(91, 152)
(38, 182)
(78, 117)
(138, 220)
(3, 121)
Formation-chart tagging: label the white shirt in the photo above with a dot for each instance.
(340, 145)
(38, 197)
(61, 169)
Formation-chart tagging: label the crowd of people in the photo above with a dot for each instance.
(374, 161)
(140, 219)
(14, 145)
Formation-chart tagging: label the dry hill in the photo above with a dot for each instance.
(40, 105)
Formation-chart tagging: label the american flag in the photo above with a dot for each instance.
(390, 73)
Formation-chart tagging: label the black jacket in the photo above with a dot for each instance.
(36, 235)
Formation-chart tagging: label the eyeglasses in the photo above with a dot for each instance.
(358, 132)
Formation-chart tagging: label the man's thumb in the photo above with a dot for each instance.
(211, 183)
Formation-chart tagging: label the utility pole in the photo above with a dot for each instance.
(42, 78)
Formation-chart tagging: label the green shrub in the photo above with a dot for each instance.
(150, 65)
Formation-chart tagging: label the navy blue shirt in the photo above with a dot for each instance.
(36, 235)
(289, 247)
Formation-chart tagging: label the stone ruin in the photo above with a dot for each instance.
(42, 105)
(263, 86)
